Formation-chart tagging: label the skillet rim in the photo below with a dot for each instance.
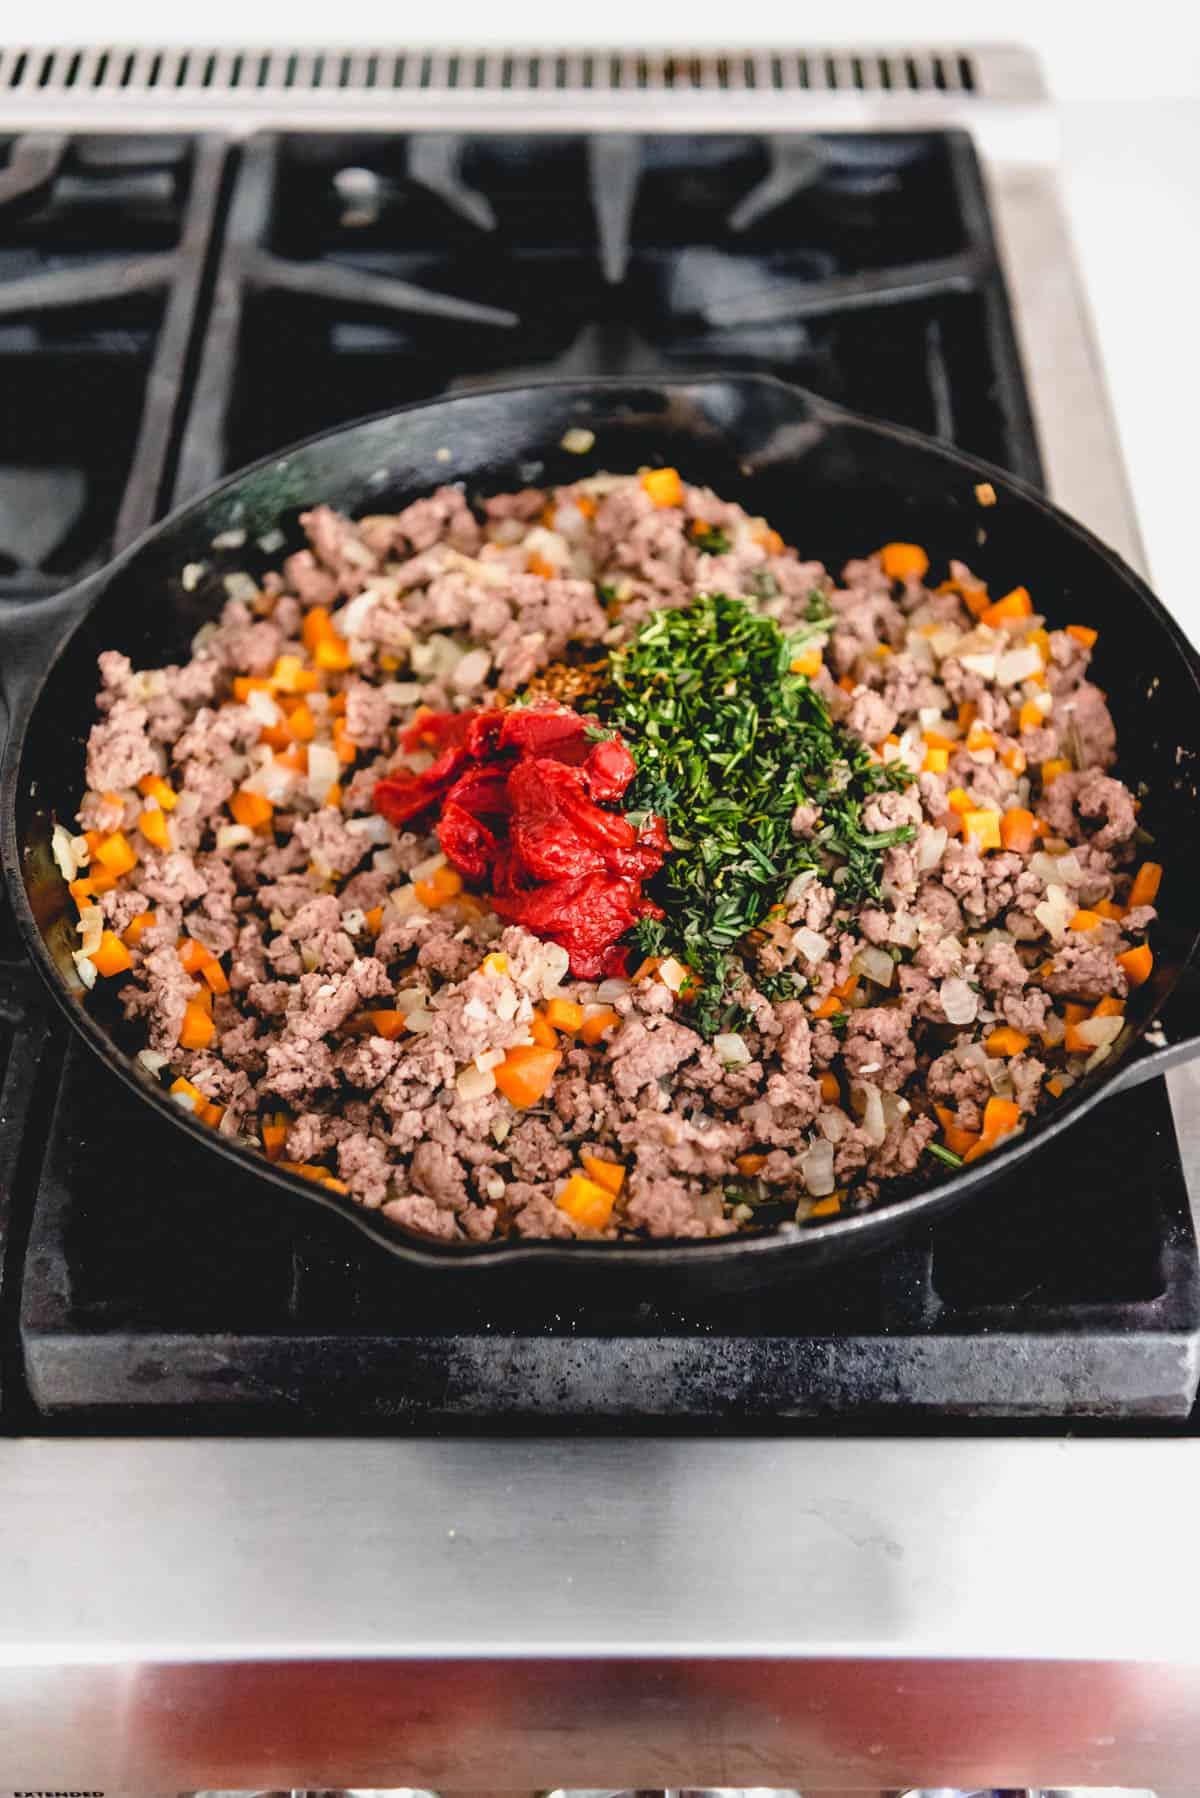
(833, 1236)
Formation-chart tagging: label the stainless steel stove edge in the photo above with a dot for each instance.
(835, 1613)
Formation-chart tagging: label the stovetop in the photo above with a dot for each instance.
(171, 307)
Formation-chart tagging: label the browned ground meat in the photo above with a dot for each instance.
(881, 1022)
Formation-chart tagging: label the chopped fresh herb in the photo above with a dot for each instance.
(713, 541)
(780, 986)
(764, 585)
(728, 742)
(608, 593)
(944, 1154)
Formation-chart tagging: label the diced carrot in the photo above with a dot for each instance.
(1074, 1044)
(982, 829)
(334, 794)
(944, 1116)
(153, 786)
(334, 1185)
(808, 662)
(276, 736)
(588, 1203)
(1083, 633)
(192, 1092)
(333, 654)
(980, 737)
(608, 1174)
(110, 956)
(847, 683)
(448, 881)
(1017, 829)
(831, 1091)
(1137, 964)
(317, 625)
(564, 1014)
(586, 504)
(900, 560)
(1109, 1007)
(960, 1141)
(1083, 919)
(210, 1113)
(198, 1028)
(828, 1207)
(525, 1074)
(1107, 909)
(540, 566)
(294, 757)
(388, 1024)
(982, 1145)
(646, 968)
(346, 748)
(1040, 638)
(746, 1164)
(976, 600)
(495, 963)
(431, 897)
(966, 715)
(1055, 1087)
(1013, 757)
(1052, 769)
(1013, 606)
(959, 800)
(829, 1006)
(769, 540)
(145, 920)
(274, 1137)
(245, 684)
(251, 809)
(664, 486)
(1074, 1013)
(114, 852)
(291, 676)
(593, 1029)
(374, 919)
(933, 739)
(153, 825)
(937, 761)
(308, 1170)
(301, 723)
(1031, 716)
(1006, 1041)
(1000, 1115)
(1146, 883)
(542, 1031)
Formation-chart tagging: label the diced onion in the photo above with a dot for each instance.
(409, 998)
(904, 929)
(874, 1124)
(984, 665)
(323, 770)
(1018, 665)
(578, 440)
(731, 1050)
(472, 671)
(832, 1123)
(500, 1129)
(420, 1022)
(799, 885)
(428, 868)
(375, 828)
(816, 1168)
(191, 575)
(385, 861)
(491, 1058)
(234, 836)
(1055, 912)
(475, 1083)
(263, 706)
(1097, 1032)
(354, 921)
(611, 989)
(90, 928)
(153, 1060)
(87, 969)
(959, 1001)
(875, 963)
(436, 657)
(672, 973)
(810, 944)
(931, 846)
(407, 903)
(62, 847)
(351, 620)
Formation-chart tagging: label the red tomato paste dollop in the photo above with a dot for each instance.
(520, 797)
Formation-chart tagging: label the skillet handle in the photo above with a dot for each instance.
(32, 631)
(1174, 1037)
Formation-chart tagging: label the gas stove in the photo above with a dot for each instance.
(205, 255)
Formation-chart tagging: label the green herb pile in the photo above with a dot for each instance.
(728, 742)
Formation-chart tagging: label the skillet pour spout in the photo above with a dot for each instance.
(835, 484)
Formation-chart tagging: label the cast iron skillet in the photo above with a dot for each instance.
(835, 485)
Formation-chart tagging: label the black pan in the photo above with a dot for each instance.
(835, 485)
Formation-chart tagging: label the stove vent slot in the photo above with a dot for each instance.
(83, 70)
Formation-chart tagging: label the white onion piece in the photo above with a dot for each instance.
(799, 885)
(323, 770)
(874, 1124)
(428, 868)
(672, 973)
(816, 1168)
(1069, 868)
(959, 1001)
(500, 1129)
(611, 989)
(875, 963)
(549, 970)
(981, 664)
(273, 783)
(1018, 665)
(409, 998)
(401, 692)
(420, 1022)
(1055, 912)
(234, 836)
(351, 620)
(385, 861)
(1053, 1030)
(931, 846)
(904, 929)
(475, 1083)
(731, 1050)
(263, 706)
(944, 642)
(1098, 1032)
(472, 671)
(62, 847)
(810, 944)
(90, 928)
(376, 829)
(354, 921)
(406, 902)
(153, 1060)
(490, 1058)
(833, 1124)
(87, 968)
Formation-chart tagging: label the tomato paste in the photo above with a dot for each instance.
(521, 797)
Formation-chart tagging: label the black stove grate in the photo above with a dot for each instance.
(302, 280)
